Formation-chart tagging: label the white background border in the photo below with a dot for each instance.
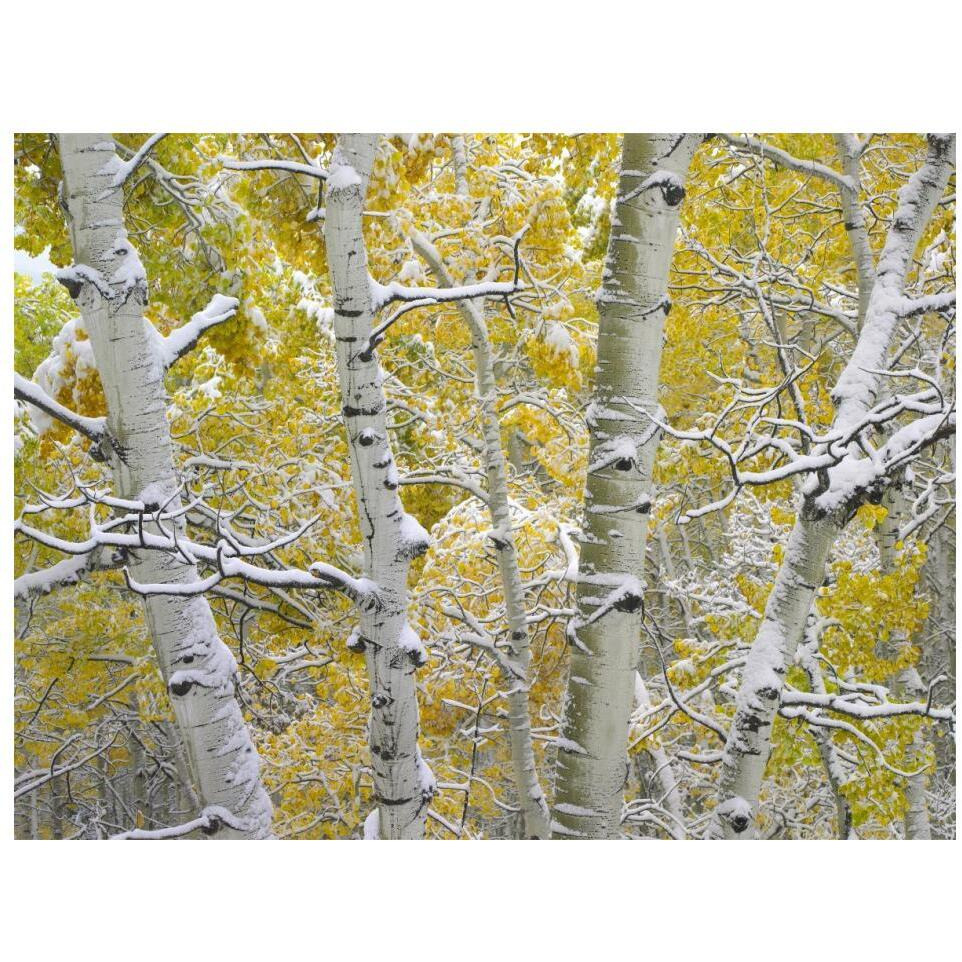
(485, 65)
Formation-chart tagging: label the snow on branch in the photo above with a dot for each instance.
(480, 638)
(929, 304)
(228, 559)
(812, 717)
(66, 572)
(856, 705)
(35, 780)
(181, 340)
(74, 278)
(384, 294)
(94, 429)
(291, 166)
(123, 169)
(770, 152)
(856, 479)
(210, 821)
(839, 478)
(450, 476)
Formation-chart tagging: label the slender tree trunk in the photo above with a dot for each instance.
(605, 634)
(823, 737)
(110, 287)
(749, 740)
(660, 771)
(848, 152)
(906, 684)
(531, 798)
(403, 781)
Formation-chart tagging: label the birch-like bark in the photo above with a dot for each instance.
(661, 772)
(403, 782)
(835, 773)
(906, 684)
(849, 153)
(749, 740)
(110, 287)
(605, 634)
(534, 807)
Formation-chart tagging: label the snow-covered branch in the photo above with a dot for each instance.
(227, 558)
(856, 705)
(66, 572)
(209, 822)
(384, 294)
(779, 156)
(856, 479)
(94, 429)
(123, 169)
(290, 166)
(181, 340)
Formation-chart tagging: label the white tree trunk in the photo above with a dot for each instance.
(749, 740)
(905, 685)
(605, 635)
(835, 773)
(534, 807)
(663, 772)
(110, 287)
(848, 151)
(403, 782)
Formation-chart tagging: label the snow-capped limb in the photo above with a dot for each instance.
(480, 638)
(621, 450)
(66, 572)
(827, 449)
(227, 558)
(31, 781)
(210, 821)
(380, 332)
(384, 294)
(120, 274)
(927, 304)
(858, 705)
(779, 156)
(816, 719)
(850, 151)
(449, 477)
(605, 634)
(94, 429)
(290, 166)
(182, 339)
(672, 186)
(122, 169)
(855, 480)
(848, 321)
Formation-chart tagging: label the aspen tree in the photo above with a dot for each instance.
(605, 634)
